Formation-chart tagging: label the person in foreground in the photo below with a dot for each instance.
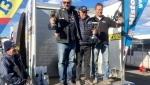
(103, 42)
(12, 71)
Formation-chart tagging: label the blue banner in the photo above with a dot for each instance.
(133, 10)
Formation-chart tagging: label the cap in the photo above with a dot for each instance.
(83, 8)
(8, 45)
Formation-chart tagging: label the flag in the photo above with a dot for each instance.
(133, 10)
(12, 38)
(20, 40)
(11, 34)
(7, 11)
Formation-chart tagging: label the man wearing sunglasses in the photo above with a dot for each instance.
(84, 46)
(66, 21)
(12, 71)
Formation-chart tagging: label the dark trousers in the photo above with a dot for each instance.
(86, 52)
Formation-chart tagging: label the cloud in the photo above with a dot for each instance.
(54, 1)
(136, 33)
(59, 1)
(39, 0)
(11, 23)
(21, 10)
(76, 0)
(108, 2)
(145, 26)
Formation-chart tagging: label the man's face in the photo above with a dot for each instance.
(83, 14)
(66, 4)
(99, 11)
(12, 51)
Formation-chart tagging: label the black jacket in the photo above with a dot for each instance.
(102, 31)
(8, 70)
(67, 28)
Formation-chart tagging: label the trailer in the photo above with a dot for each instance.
(42, 47)
(139, 53)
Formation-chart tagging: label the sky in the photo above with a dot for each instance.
(143, 26)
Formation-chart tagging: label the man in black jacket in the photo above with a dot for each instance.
(84, 46)
(103, 43)
(12, 71)
(66, 21)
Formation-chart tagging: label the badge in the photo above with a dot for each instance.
(104, 21)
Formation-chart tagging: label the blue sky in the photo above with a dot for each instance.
(143, 26)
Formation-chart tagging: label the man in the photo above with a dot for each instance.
(84, 46)
(66, 34)
(12, 71)
(102, 35)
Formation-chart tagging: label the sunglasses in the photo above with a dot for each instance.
(84, 11)
(66, 2)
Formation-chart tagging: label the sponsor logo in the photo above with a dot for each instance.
(132, 14)
(104, 21)
(140, 4)
(116, 36)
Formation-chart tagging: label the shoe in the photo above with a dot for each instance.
(106, 81)
(95, 81)
(78, 83)
(61, 83)
(70, 83)
(88, 82)
(74, 79)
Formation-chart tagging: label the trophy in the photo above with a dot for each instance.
(95, 25)
(52, 14)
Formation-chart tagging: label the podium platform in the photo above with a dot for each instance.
(123, 83)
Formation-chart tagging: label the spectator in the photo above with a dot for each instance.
(12, 71)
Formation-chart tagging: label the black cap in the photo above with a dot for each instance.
(83, 8)
(8, 45)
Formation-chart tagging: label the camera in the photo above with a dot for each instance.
(94, 26)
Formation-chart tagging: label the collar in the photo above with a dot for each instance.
(100, 17)
(86, 19)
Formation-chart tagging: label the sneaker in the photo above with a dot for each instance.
(95, 81)
(88, 82)
(78, 83)
(70, 83)
(61, 83)
(106, 81)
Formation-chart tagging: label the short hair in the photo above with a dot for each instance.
(98, 4)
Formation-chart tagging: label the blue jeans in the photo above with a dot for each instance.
(105, 65)
(65, 49)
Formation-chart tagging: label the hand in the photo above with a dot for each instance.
(56, 34)
(120, 20)
(28, 80)
(124, 53)
(52, 20)
(94, 32)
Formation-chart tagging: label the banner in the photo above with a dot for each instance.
(133, 10)
(7, 11)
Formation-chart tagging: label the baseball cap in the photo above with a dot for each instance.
(83, 8)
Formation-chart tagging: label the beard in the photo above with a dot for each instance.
(15, 52)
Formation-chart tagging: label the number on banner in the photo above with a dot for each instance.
(5, 3)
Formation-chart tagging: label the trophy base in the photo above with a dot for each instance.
(93, 40)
